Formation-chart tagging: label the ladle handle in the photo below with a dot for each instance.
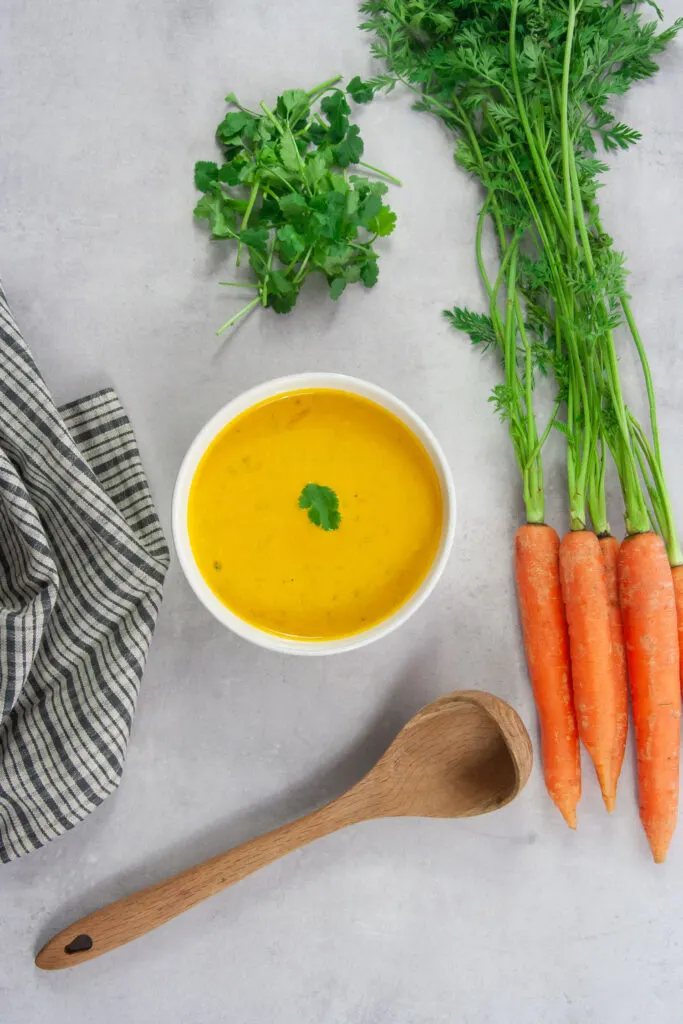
(142, 911)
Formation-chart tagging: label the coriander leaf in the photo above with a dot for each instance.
(314, 227)
(383, 223)
(293, 105)
(337, 286)
(229, 174)
(351, 204)
(268, 156)
(221, 216)
(293, 206)
(360, 92)
(290, 243)
(336, 110)
(369, 273)
(371, 208)
(332, 257)
(282, 293)
(255, 238)
(323, 506)
(316, 169)
(330, 206)
(282, 304)
(352, 272)
(318, 133)
(350, 150)
(258, 261)
(279, 283)
(361, 185)
(334, 105)
(232, 126)
(289, 154)
(205, 173)
(339, 183)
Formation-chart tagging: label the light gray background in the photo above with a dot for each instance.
(104, 108)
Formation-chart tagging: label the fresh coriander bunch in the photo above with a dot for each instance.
(284, 194)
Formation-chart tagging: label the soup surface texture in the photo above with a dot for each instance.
(260, 553)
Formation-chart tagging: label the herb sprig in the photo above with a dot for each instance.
(285, 196)
(322, 504)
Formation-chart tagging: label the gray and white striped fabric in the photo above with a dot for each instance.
(82, 566)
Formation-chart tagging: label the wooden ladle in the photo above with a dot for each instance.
(465, 754)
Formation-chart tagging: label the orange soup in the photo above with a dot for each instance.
(260, 552)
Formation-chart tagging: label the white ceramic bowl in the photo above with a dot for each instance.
(216, 424)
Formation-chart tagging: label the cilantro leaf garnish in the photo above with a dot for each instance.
(322, 504)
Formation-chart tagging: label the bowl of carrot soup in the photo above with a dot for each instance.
(314, 514)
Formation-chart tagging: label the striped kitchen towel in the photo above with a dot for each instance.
(82, 566)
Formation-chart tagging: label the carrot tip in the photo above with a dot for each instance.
(569, 815)
(659, 851)
(604, 774)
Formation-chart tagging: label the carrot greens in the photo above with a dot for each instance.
(526, 87)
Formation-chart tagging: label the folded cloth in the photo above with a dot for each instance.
(82, 566)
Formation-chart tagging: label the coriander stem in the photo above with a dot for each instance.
(276, 174)
(378, 170)
(245, 218)
(238, 284)
(313, 93)
(302, 166)
(264, 286)
(304, 263)
(242, 312)
(240, 106)
(271, 117)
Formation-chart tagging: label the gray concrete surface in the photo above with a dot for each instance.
(104, 109)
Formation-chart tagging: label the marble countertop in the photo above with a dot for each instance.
(105, 108)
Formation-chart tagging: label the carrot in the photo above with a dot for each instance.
(677, 573)
(546, 645)
(648, 609)
(594, 674)
(609, 548)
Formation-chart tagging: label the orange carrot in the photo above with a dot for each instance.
(677, 573)
(609, 546)
(648, 609)
(546, 645)
(594, 675)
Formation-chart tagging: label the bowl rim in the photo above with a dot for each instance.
(246, 400)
